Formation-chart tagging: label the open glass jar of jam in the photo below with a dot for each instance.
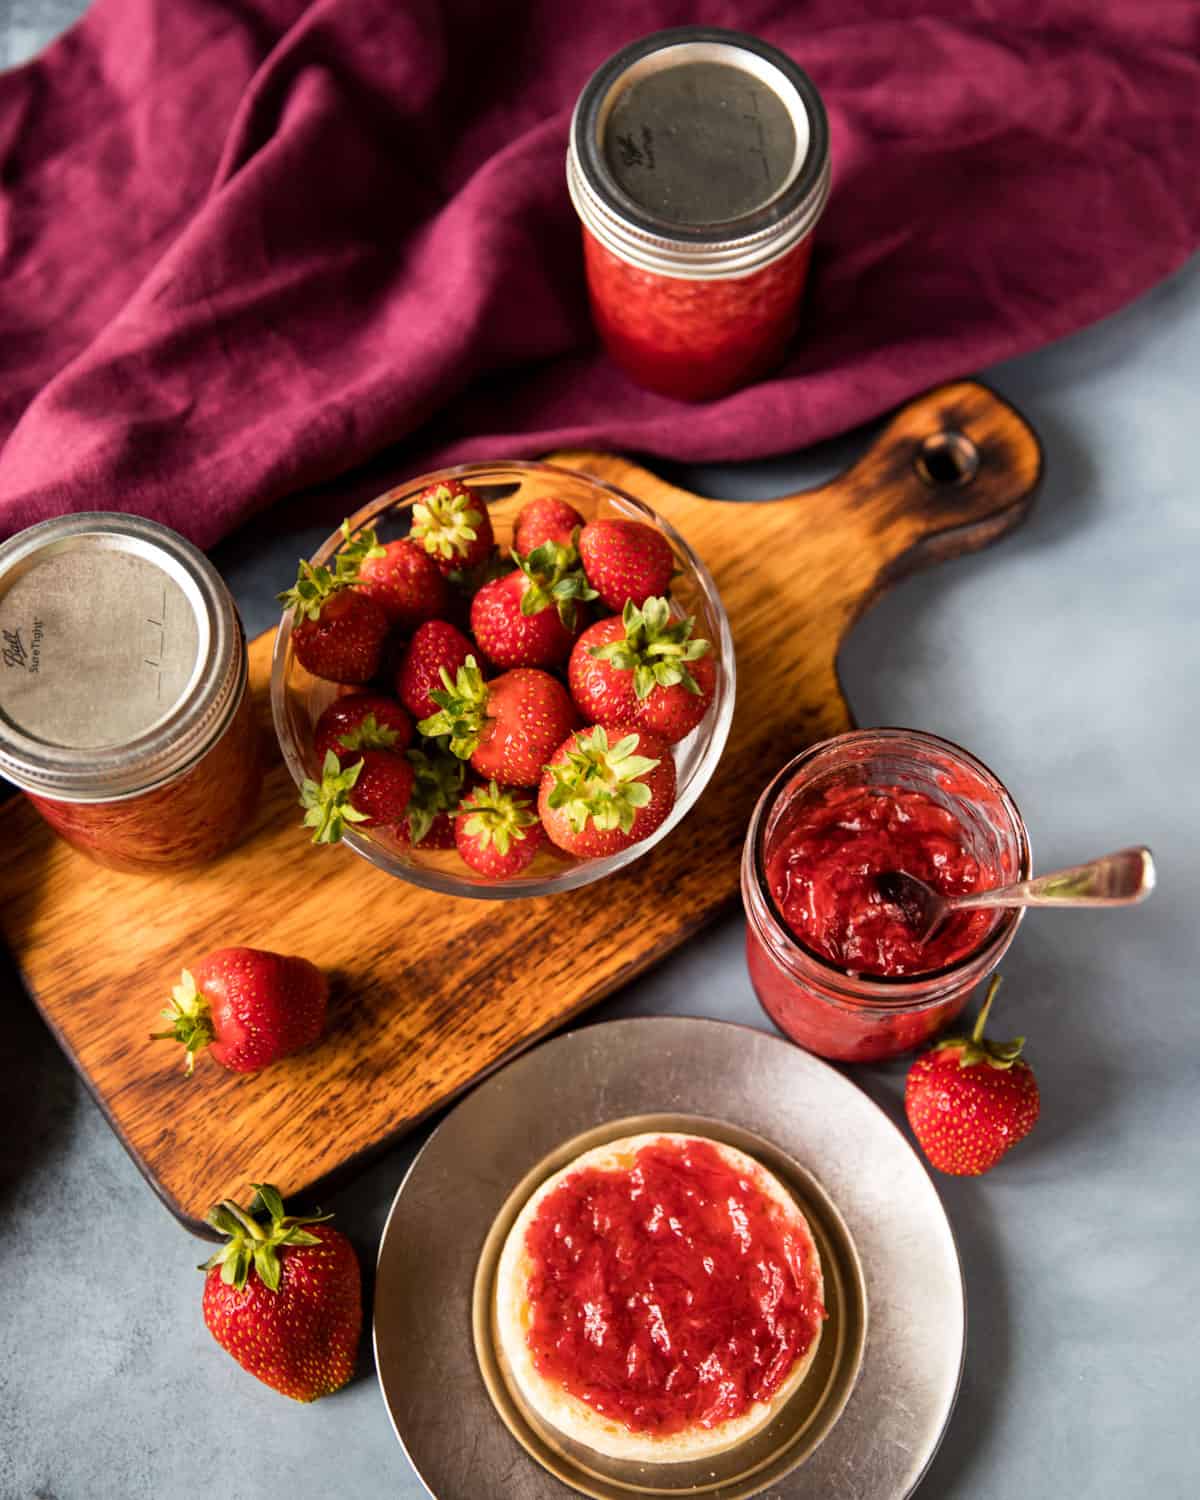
(834, 963)
(124, 710)
(699, 166)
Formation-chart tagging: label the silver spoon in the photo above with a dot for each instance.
(1117, 879)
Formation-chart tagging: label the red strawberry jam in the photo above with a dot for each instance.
(187, 822)
(672, 1294)
(699, 166)
(690, 338)
(834, 965)
(823, 874)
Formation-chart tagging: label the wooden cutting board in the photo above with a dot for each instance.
(431, 992)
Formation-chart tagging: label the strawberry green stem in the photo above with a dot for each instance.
(368, 735)
(462, 709)
(556, 579)
(190, 1018)
(600, 782)
(976, 1048)
(496, 817)
(253, 1243)
(656, 648)
(981, 1020)
(437, 788)
(316, 583)
(444, 523)
(244, 1219)
(327, 806)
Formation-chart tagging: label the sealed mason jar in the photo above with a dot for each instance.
(836, 967)
(698, 165)
(124, 709)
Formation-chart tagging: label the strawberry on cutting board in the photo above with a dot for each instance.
(625, 560)
(507, 728)
(969, 1100)
(283, 1296)
(598, 797)
(248, 1007)
(643, 669)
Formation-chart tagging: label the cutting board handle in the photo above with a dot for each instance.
(950, 472)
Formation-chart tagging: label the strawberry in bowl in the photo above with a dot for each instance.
(531, 616)
(644, 669)
(599, 798)
(362, 721)
(507, 728)
(578, 641)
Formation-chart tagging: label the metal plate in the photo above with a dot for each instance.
(519, 1121)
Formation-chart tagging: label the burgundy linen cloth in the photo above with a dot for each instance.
(250, 244)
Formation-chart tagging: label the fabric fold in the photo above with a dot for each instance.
(248, 247)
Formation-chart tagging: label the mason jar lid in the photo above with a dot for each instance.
(699, 152)
(122, 658)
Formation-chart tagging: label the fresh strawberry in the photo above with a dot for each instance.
(284, 1296)
(625, 560)
(436, 793)
(434, 648)
(497, 833)
(603, 688)
(247, 1006)
(373, 791)
(529, 618)
(643, 670)
(509, 727)
(343, 641)
(361, 721)
(969, 1100)
(597, 799)
(405, 582)
(453, 526)
(338, 631)
(545, 520)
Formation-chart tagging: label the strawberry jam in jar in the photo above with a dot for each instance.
(699, 166)
(835, 963)
(124, 710)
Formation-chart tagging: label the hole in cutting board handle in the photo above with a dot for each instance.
(947, 458)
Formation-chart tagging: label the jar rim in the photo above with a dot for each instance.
(734, 246)
(884, 991)
(170, 745)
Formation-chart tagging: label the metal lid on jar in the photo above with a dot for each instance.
(122, 658)
(699, 152)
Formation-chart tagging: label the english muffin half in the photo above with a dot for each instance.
(659, 1299)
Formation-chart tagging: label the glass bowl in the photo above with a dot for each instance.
(298, 698)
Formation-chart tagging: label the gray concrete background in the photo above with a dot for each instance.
(1067, 657)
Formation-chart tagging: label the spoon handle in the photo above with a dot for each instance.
(1112, 880)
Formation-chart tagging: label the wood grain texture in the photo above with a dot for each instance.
(430, 992)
